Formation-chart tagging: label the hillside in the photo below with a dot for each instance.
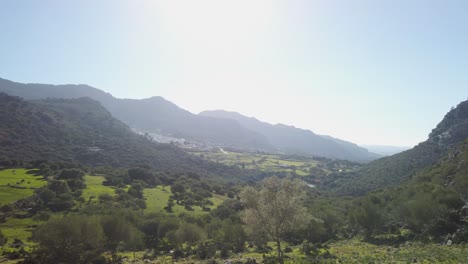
(81, 130)
(393, 170)
(290, 139)
(451, 171)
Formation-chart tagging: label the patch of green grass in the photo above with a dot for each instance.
(95, 188)
(16, 184)
(355, 251)
(266, 162)
(17, 228)
(156, 200)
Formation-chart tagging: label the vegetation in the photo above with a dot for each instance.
(313, 170)
(275, 210)
(431, 206)
(82, 131)
(16, 184)
(396, 169)
(62, 202)
(423, 210)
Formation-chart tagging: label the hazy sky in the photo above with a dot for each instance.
(368, 71)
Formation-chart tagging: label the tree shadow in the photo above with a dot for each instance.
(35, 172)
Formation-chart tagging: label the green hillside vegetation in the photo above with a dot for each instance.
(267, 162)
(432, 205)
(197, 234)
(313, 170)
(82, 131)
(428, 208)
(156, 198)
(396, 169)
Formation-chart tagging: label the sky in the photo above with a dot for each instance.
(371, 72)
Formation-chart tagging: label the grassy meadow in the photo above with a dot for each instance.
(156, 200)
(94, 187)
(16, 184)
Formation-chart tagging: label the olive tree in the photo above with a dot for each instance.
(274, 209)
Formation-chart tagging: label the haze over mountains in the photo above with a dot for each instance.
(385, 150)
(295, 140)
(217, 128)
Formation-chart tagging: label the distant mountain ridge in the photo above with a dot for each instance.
(153, 114)
(295, 140)
(158, 115)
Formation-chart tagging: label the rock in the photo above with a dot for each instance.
(449, 242)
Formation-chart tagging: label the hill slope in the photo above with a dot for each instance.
(81, 130)
(393, 170)
(295, 140)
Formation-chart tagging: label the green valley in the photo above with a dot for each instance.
(79, 186)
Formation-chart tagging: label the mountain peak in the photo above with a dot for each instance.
(453, 128)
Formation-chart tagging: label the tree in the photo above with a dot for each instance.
(274, 209)
(3, 239)
(188, 234)
(136, 190)
(74, 239)
(368, 214)
(120, 234)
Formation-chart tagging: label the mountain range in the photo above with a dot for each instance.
(218, 128)
(83, 131)
(290, 139)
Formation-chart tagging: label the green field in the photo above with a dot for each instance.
(16, 184)
(17, 228)
(265, 162)
(355, 251)
(156, 200)
(94, 187)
